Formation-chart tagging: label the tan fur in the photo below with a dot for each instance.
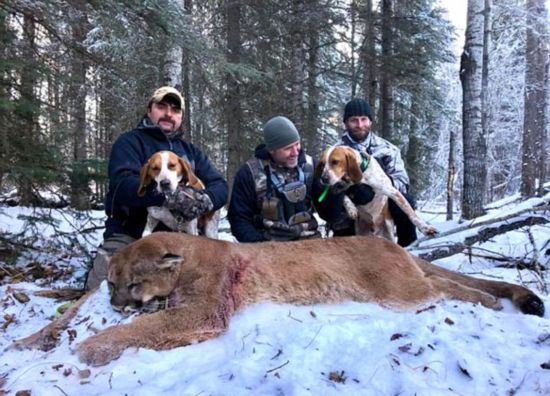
(206, 281)
(340, 166)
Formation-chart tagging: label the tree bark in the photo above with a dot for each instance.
(77, 98)
(386, 85)
(27, 110)
(368, 55)
(474, 144)
(235, 133)
(534, 134)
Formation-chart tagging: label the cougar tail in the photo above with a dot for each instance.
(522, 298)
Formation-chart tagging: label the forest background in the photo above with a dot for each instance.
(76, 74)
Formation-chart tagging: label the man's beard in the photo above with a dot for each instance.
(359, 135)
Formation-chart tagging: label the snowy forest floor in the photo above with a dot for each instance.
(447, 348)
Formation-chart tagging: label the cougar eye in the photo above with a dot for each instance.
(111, 287)
(135, 288)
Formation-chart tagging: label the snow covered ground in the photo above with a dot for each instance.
(447, 348)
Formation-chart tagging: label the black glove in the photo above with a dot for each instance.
(187, 204)
(277, 230)
(360, 194)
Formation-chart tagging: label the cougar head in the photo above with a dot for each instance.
(140, 274)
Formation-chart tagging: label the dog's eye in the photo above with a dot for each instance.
(171, 166)
(334, 162)
(155, 168)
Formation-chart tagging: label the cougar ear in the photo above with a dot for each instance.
(144, 179)
(104, 254)
(169, 261)
(353, 166)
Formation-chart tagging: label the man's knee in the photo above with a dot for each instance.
(98, 272)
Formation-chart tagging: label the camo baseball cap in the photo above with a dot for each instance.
(160, 94)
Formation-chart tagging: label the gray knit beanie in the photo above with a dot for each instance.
(279, 132)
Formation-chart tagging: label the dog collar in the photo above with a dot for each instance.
(323, 194)
(365, 159)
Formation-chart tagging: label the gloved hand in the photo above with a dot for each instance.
(360, 194)
(278, 229)
(187, 204)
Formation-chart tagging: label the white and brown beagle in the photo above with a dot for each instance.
(169, 170)
(343, 166)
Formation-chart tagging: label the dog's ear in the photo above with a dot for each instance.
(144, 179)
(192, 179)
(353, 167)
(320, 164)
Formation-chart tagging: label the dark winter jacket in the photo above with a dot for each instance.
(126, 211)
(244, 213)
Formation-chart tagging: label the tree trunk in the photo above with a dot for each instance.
(368, 55)
(354, 74)
(474, 145)
(172, 67)
(386, 85)
(536, 59)
(297, 65)
(485, 79)
(451, 175)
(77, 98)
(27, 110)
(186, 72)
(311, 128)
(235, 134)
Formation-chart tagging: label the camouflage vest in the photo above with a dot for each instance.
(267, 188)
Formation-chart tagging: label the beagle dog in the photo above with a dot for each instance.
(169, 170)
(343, 166)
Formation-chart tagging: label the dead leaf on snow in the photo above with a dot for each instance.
(339, 377)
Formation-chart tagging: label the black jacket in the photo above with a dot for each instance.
(126, 212)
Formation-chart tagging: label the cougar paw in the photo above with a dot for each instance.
(531, 304)
(489, 301)
(98, 351)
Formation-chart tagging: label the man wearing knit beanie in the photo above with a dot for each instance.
(357, 119)
(271, 196)
(279, 132)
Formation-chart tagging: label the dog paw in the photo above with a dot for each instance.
(429, 230)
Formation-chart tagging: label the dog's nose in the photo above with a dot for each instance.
(165, 184)
(324, 179)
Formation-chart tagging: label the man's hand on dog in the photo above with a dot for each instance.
(360, 194)
(187, 204)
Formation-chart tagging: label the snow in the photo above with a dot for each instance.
(447, 348)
